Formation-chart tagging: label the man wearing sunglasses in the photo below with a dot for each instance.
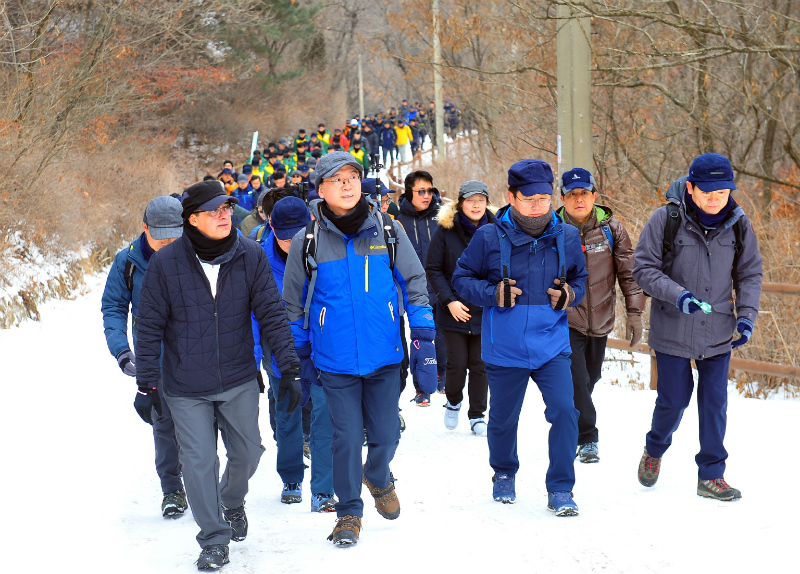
(196, 300)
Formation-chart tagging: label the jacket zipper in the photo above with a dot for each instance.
(322, 320)
(416, 235)
(216, 328)
(366, 273)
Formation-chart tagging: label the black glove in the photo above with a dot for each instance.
(290, 384)
(127, 362)
(146, 400)
(260, 379)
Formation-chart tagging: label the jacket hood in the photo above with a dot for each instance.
(448, 211)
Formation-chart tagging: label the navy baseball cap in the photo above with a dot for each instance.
(369, 186)
(711, 172)
(575, 178)
(289, 216)
(531, 177)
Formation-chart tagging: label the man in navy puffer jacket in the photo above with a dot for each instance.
(196, 299)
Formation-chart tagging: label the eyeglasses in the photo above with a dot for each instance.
(531, 202)
(385, 201)
(340, 181)
(424, 192)
(225, 208)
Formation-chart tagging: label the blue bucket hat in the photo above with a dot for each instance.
(531, 177)
(711, 172)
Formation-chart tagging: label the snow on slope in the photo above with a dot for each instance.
(82, 494)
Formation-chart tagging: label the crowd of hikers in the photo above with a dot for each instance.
(337, 287)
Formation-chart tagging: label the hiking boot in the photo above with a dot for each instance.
(451, 415)
(422, 399)
(238, 521)
(718, 489)
(402, 421)
(174, 504)
(323, 503)
(588, 452)
(478, 426)
(213, 557)
(292, 492)
(386, 502)
(345, 533)
(649, 467)
(503, 489)
(562, 504)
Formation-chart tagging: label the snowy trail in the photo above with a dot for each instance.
(83, 494)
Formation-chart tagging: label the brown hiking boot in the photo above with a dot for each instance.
(386, 501)
(718, 489)
(649, 467)
(345, 533)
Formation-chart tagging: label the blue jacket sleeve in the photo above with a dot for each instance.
(470, 279)
(115, 306)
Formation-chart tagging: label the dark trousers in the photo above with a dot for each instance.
(587, 364)
(464, 353)
(507, 386)
(387, 156)
(356, 403)
(168, 466)
(289, 433)
(675, 386)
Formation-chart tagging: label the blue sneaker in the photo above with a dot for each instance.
(503, 489)
(323, 503)
(562, 504)
(292, 492)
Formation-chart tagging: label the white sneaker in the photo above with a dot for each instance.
(451, 415)
(478, 426)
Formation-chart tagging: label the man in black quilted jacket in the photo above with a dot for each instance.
(196, 299)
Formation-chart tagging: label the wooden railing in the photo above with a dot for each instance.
(760, 367)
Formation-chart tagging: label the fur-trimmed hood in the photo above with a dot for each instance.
(448, 210)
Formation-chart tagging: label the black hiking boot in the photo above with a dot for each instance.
(238, 521)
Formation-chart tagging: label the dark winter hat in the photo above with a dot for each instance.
(242, 178)
(473, 187)
(356, 142)
(247, 169)
(372, 185)
(227, 170)
(289, 216)
(297, 172)
(575, 178)
(312, 161)
(711, 172)
(531, 177)
(301, 143)
(163, 217)
(204, 196)
(301, 131)
(332, 163)
(303, 168)
(278, 174)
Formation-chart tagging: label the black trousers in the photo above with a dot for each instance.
(587, 364)
(464, 353)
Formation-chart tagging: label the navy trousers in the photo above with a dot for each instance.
(586, 365)
(168, 466)
(507, 386)
(355, 403)
(675, 386)
(289, 436)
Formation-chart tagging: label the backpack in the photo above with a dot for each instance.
(310, 250)
(130, 269)
(505, 258)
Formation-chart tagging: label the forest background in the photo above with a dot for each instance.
(107, 103)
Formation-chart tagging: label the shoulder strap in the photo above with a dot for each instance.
(260, 232)
(738, 246)
(310, 266)
(607, 230)
(505, 261)
(562, 265)
(390, 237)
(670, 228)
(130, 269)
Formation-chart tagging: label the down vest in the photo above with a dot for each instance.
(701, 262)
(447, 245)
(594, 315)
(208, 341)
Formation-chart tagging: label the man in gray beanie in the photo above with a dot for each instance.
(357, 268)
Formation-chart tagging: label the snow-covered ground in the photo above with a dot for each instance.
(82, 494)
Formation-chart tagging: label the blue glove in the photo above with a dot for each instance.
(308, 373)
(685, 303)
(745, 328)
(423, 358)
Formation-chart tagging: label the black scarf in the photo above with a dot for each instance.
(147, 251)
(350, 223)
(533, 226)
(207, 249)
(469, 227)
(706, 219)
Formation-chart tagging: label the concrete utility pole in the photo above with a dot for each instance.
(437, 83)
(360, 89)
(574, 91)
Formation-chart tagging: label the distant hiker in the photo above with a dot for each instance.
(609, 259)
(196, 300)
(348, 279)
(162, 224)
(696, 266)
(458, 320)
(525, 270)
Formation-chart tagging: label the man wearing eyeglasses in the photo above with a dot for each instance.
(196, 300)
(346, 293)
(524, 328)
(419, 206)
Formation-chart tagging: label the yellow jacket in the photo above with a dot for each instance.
(403, 135)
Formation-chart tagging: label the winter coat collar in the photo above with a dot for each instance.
(519, 237)
(406, 208)
(372, 220)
